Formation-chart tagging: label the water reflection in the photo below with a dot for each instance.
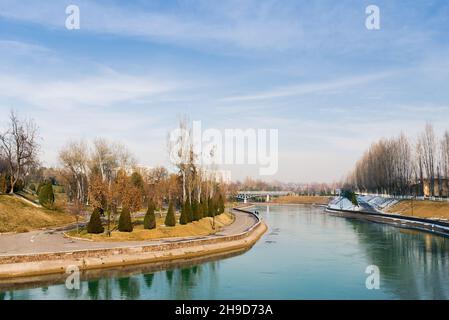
(413, 264)
(177, 283)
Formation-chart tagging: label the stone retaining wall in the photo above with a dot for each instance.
(427, 225)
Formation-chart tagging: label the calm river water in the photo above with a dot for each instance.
(305, 254)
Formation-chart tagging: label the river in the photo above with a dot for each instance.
(305, 254)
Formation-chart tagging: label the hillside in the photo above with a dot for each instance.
(302, 200)
(16, 215)
(422, 209)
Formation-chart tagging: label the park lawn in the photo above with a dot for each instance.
(302, 200)
(196, 228)
(18, 216)
(421, 209)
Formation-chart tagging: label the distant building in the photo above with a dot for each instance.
(438, 184)
(221, 176)
(143, 170)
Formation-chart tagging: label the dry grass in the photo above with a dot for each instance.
(197, 228)
(303, 200)
(18, 216)
(422, 209)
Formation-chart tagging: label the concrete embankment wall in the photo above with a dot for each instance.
(58, 262)
(428, 225)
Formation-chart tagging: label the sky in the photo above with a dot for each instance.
(310, 69)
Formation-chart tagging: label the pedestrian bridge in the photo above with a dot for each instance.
(245, 195)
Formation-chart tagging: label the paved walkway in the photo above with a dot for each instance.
(53, 240)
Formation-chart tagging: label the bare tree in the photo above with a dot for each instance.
(428, 144)
(76, 209)
(445, 160)
(20, 147)
(74, 158)
(180, 153)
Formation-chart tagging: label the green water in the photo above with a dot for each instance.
(306, 254)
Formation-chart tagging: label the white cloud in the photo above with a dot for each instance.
(22, 48)
(96, 91)
(308, 88)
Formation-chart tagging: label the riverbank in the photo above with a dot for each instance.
(322, 200)
(231, 240)
(421, 209)
(401, 221)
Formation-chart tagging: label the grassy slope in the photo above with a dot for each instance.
(303, 199)
(422, 209)
(197, 228)
(16, 215)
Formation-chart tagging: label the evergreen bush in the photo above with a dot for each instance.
(184, 218)
(124, 222)
(197, 211)
(149, 222)
(170, 219)
(95, 226)
(46, 195)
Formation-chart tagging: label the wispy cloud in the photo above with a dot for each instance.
(94, 90)
(310, 88)
(252, 27)
(19, 47)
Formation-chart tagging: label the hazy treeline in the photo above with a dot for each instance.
(402, 166)
(309, 189)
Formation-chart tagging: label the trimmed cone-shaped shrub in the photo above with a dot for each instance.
(205, 208)
(124, 222)
(149, 221)
(184, 217)
(197, 212)
(220, 204)
(46, 195)
(211, 207)
(170, 219)
(95, 225)
(189, 211)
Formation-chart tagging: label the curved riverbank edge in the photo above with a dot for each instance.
(406, 222)
(29, 265)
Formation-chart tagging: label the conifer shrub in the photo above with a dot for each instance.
(149, 221)
(189, 212)
(205, 208)
(220, 204)
(197, 211)
(211, 207)
(46, 195)
(124, 222)
(170, 219)
(95, 226)
(184, 218)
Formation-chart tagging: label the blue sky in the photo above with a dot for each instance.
(308, 68)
